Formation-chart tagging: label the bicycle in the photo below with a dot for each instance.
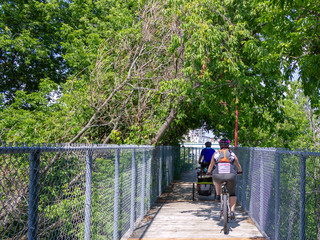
(225, 209)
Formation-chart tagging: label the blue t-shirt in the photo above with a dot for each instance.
(207, 154)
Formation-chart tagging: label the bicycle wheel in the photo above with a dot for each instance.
(225, 214)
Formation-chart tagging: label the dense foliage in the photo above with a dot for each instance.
(146, 72)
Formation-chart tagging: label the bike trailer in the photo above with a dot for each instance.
(204, 185)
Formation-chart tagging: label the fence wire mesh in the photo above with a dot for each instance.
(103, 191)
(80, 192)
(280, 191)
(14, 182)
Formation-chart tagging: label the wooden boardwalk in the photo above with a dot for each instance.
(176, 216)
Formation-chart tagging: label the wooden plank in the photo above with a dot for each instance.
(176, 216)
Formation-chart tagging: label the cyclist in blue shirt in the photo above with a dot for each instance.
(206, 154)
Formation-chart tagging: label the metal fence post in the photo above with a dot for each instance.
(244, 184)
(261, 212)
(148, 181)
(250, 180)
(196, 158)
(172, 163)
(189, 156)
(169, 156)
(193, 158)
(165, 153)
(277, 199)
(173, 160)
(160, 171)
(302, 197)
(116, 195)
(179, 161)
(34, 164)
(87, 220)
(184, 158)
(133, 190)
(143, 184)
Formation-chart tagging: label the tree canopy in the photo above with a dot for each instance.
(146, 72)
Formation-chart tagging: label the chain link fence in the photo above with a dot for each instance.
(103, 191)
(280, 189)
(80, 192)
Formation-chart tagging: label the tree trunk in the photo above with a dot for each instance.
(165, 126)
(167, 123)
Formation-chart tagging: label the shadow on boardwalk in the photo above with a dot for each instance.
(176, 216)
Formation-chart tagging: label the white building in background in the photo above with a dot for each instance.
(197, 138)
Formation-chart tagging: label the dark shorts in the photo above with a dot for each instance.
(205, 164)
(230, 178)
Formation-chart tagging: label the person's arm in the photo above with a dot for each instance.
(211, 164)
(200, 159)
(236, 162)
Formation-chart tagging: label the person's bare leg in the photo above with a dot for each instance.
(217, 187)
(233, 201)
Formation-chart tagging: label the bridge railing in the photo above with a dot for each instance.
(280, 189)
(79, 191)
(102, 191)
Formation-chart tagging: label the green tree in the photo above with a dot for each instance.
(30, 45)
(147, 73)
(293, 131)
(174, 66)
(294, 27)
(228, 64)
(54, 39)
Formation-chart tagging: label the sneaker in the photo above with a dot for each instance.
(232, 216)
(218, 198)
